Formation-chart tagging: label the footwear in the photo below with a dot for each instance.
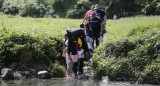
(76, 76)
(67, 73)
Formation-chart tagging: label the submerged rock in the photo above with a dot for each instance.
(44, 75)
(88, 72)
(7, 74)
(18, 75)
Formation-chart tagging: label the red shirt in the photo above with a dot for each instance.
(88, 15)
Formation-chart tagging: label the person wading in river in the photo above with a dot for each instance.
(77, 46)
(65, 54)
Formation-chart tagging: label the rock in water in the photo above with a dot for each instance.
(44, 75)
(18, 75)
(7, 74)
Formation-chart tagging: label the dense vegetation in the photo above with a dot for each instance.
(133, 51)
(130, 51)
(78, 8)
(33, 43)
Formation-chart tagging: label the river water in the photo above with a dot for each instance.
(65, 82)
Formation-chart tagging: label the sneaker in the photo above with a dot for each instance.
(67, 73)
(76, 76)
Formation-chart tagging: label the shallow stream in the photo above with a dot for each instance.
(65, 82)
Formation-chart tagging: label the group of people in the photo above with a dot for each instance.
(79, 44)
(96, 18)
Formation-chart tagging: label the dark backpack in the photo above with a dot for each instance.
(74, 34)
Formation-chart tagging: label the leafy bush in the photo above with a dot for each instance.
(117, 49)
(152, 72)
(38, 8)
(57, 70)
(35, 9)
(1, 2)
(79, 9)
(11, 6)
(61, 7)
(24, 50)
(114, 68)
(136, 56)
(152, 7)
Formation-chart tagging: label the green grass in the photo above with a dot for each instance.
(45, 27)
(118, 29)
(33, 39)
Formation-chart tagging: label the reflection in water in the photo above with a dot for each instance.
(64, 82)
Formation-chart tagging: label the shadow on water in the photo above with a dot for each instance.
(64, 82)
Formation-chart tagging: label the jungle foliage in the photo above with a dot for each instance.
(78, 8)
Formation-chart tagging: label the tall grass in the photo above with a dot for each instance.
(45, 27)
(118, 29)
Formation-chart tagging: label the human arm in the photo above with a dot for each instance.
(84, 19)
(70, 58)
(63, 48)
(63, 45)
(101, 26)
(105, 19)
(101, 31)
(69, 50)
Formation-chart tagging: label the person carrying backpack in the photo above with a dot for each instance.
(77, 46)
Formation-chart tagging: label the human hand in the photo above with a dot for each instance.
(70, 58)
(63, 55)
(101, 33)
